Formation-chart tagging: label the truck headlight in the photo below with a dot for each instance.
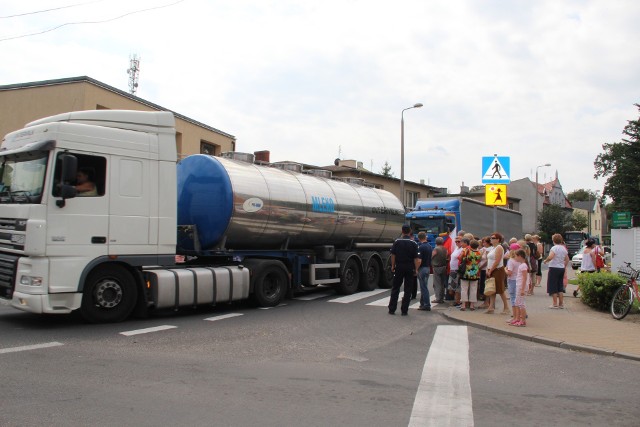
(31, 280)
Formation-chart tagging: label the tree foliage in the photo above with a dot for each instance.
(582, 195)
(579, 221)
(620, 164)
(553, 219)
(386, 170)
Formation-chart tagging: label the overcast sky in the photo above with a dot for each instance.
(313, 80)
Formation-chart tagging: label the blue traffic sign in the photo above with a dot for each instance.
(496, 170)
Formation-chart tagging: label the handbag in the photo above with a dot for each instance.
(599, 259)
(490, 286)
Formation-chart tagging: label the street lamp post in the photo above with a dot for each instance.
(535, 224)
(402, 198)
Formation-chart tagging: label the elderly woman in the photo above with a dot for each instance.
(495, 269)
(558, 260)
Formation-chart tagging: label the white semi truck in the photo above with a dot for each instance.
(244, 230)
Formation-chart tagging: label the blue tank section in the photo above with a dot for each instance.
(205, 197)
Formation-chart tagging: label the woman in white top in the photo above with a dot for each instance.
(558, 260)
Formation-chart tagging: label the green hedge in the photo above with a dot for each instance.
(597, 289)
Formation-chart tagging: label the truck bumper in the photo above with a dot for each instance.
(51, 303)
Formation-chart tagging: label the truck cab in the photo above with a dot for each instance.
(55, 239)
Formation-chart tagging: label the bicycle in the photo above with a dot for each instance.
(623, 297)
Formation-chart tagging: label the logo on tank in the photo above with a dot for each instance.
(253, 204)
(322, 204)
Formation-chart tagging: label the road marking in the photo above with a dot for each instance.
(223, 316)
(269, 308)
(444, 393)
(360, 295)
(384, 302)
(30, 347)
(147, 330)
(313, 296)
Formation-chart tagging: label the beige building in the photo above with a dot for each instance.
(24, 102)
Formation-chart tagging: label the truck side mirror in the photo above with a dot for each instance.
(69, 168)
(68, 171)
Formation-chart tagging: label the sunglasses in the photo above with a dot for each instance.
(493, 237)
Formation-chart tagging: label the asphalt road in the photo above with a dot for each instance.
(316, 362)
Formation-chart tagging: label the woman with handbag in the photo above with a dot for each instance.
(496, 271)
(469, 282)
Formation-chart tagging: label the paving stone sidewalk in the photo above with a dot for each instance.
(576, 327)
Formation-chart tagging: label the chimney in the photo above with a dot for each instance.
(262, 156)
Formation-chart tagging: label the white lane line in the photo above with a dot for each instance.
(360, 295)
(223, 316)
(147, 330)
(269, 308)
(384, 302)
(313, 296)
(444, 393)
(30, 347)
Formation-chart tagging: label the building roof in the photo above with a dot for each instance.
(585, 205)
(86, 79)
(546, 188)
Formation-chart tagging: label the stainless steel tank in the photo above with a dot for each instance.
(239, 205)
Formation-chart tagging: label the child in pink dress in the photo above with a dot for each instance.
(522, 284)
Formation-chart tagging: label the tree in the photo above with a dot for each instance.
(386, 170)
(579, 221)
(553, 219)
(582, 195)
(620, 164)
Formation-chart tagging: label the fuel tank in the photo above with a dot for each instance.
(240, 205)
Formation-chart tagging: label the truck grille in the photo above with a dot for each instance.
(8, 267)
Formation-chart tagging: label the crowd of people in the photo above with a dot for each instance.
(476, 271)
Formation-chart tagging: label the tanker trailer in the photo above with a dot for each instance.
(268, 218)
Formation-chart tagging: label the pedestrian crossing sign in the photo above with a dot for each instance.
(496, 170)
(495, 195)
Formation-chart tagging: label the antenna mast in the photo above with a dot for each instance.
(133, 71)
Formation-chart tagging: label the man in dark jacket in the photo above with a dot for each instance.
(405, 262)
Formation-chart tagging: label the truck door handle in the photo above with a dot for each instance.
(98, 239)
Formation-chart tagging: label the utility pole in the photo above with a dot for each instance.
(133, 71)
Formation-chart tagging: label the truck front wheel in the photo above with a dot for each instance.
(109, 295)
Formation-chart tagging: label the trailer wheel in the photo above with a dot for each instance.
(270, 284)
(371, 276)
(386, 278)
(109, 295)
(350, 278)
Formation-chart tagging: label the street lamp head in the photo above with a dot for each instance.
(547, 164)
(418, 105)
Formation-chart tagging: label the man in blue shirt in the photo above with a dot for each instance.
(425, 250)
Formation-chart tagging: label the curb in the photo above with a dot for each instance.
(547, 341)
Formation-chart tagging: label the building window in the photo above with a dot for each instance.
(209, 148)
(411, 198)
(511, 205)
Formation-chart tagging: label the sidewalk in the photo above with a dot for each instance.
(576, 327)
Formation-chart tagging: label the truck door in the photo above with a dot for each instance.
(80, 227)
(129, 208)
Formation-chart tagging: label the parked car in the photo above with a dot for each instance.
(576, 260)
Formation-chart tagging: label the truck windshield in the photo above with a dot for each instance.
(573, 236)
(22, 177)
(429, 225)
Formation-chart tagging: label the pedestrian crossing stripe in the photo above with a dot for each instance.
(496, 170)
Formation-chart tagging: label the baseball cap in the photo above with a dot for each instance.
(514, 247)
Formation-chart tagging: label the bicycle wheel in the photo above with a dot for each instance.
(621, 302)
